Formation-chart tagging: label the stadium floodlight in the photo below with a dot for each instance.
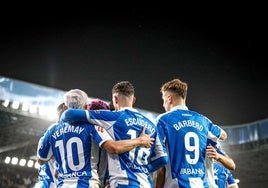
(25, 107)
(15, 105)
(5, 103)
(33, 109)
(14, 160)
(30, 163)
(7, 159)
(36, 165)
(22, 162)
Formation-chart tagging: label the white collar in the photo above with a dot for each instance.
(180, 107)
(128, 108)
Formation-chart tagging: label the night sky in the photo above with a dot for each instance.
(220, 54)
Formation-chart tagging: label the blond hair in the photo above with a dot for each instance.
(176, 86)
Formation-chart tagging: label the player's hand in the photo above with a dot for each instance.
(211, 152)
(145, 139)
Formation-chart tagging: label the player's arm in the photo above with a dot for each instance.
(40, 161)
(55, 173)
(225, 160)
(231, 183)
(44, 152)
(160, 157)
(79, 115)
(74, 115)
(121, 146)
(160, 179)
(157, 163)
(216, 130)
(159, 150)
(223, 135)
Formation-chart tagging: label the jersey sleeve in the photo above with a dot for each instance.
(159, 156)
(230, 179)
(74, 115)
(161, 130)
(104, 118)
(44, 150)
(214, 132)
(100, 135)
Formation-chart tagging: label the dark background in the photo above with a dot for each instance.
(220, 51)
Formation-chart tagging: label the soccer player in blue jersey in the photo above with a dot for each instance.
(214, 153)
(130, 169)
(47, 173)
(185, 134)
(70, 145)
(223, 177)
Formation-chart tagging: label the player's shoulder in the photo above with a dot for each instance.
(163, 115)
(202, 117)
(174, 112)
(196, 114)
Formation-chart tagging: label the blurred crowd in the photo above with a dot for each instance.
(17, 177)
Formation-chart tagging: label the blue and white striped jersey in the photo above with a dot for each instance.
(46, 176)
(70, 144)
(185, 134)
(129, 169)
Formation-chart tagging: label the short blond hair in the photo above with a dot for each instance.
(175, 86)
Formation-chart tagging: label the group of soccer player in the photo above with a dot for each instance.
(95, 146)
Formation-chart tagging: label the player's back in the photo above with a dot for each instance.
(134, 164)
(129, 168)
(186, 138)
(71, 147)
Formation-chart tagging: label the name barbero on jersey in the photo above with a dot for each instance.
(188, 123)
(67, 129)
(141, 122)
